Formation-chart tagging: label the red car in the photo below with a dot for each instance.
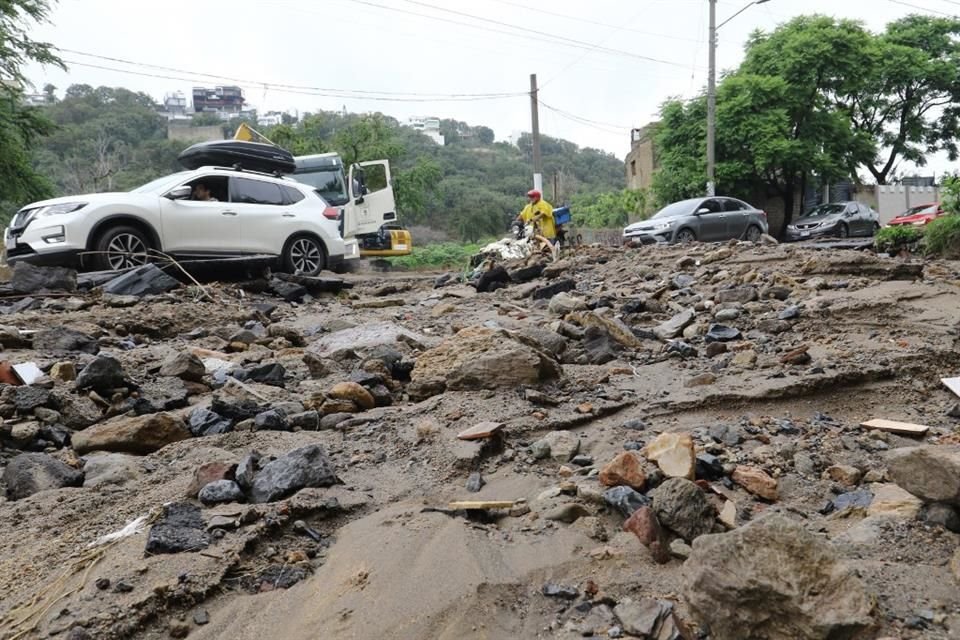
(919, 215)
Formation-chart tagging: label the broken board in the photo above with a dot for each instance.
(903, 428)
(480, 504)
(481, 430)
(953, 384)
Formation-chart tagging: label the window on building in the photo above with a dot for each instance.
(633, 167)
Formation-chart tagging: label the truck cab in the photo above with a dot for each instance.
(364, 196)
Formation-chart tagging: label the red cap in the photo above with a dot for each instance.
(533, 193)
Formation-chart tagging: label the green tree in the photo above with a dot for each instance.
(20, 127)
(414, 187)
(204, 119)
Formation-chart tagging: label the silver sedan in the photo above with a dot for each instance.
(706, 219)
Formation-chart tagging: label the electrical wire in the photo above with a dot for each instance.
(596, 124)
(915, 6)
(275, 85)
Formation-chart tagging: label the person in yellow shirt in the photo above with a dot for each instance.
(539, 211)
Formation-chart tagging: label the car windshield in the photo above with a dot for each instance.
(826, 210)
(925, 208)
(682, 208)
(160, 184)
(328, 183)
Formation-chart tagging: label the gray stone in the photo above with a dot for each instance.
(681, 506)
(47, 416)
(28, 398)
(675, 325)
(271, 420)
(475, 482)
(643, 618)
(743, 295)
(365, 338)
(680, 549)
(181, 528)
(247, 470)
(790, 313)
(563, 445)
(929, 472)
(733, 581)
(183, 365)
(110, 469)
(599, 620)
(220, 491)
(30, 473)
(727, 315)
(308, 420)
(722, 333)
(552, 590)
(567, 513)
(564, 303)
(102, 375)
(272, 374)
(549, 341)
(203, 422)
(943, 515)
(161, 394)
(146, 280)
(856, 499)
(625, 500)
(332, 420)
(63, 340)
(301, 468)
(28, 278)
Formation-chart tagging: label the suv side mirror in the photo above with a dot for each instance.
(180, 193)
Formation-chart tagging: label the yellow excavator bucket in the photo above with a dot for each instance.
(401, 244)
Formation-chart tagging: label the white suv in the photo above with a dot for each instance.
(249, 214)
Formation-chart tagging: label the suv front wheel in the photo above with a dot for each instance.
(304, 255)
(121, 247)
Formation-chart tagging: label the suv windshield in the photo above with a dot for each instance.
(160, 184)
(682, 208)
(827, 210)
(328, 183)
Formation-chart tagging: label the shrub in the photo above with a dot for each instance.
(438, 256)
(893, 238)
(942, 236)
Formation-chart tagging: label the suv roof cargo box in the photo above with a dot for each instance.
(252, 156)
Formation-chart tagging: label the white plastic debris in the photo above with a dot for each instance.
(132, 528)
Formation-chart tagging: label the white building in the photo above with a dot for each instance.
(270, 119)
(429, 127)
(175, 107)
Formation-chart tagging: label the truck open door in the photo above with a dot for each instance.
(371, 213)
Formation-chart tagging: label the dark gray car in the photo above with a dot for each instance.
(706, 219)
(840, 219)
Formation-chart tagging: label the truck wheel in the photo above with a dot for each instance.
(121, 247)
(304, 255)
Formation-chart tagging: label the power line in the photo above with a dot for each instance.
(281, 89)
(601, 126)
(276, 85)
(914, 6)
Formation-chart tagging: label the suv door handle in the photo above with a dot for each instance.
(289, 215)
(228, 213)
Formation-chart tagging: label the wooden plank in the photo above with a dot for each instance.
(480, 504)
(953, 384)
(481, 430)
(904, 428)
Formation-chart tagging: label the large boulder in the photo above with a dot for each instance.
(929, 472)
(102, 375)
(480, 358)
(30, 473)
(365, 338)
(28, 278)
(140, 435)
(773, 580)
(301, 468)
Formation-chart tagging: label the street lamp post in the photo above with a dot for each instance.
(712, 93)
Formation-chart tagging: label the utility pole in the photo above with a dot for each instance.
(535, 118)
(712, 103)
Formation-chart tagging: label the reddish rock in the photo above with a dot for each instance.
(207, 473)
(625, 469)
(644, 524)
(798, 356)
(355, 393)
(756, 481)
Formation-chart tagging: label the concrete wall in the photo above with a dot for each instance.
(641, 162)
(895, 199)
(187, 133)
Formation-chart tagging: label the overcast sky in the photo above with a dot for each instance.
(657, 49)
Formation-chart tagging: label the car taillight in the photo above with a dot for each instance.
(331, 213)
(763, 213)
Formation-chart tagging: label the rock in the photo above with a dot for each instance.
(625, 469)
(626, 500)
(790, 313)
(700, 380)
(742, 295)
(493, 279)
(121, 302)
(548, 291)
(567, 513)
(598, 621)
(557, 268)
(364, 339)
(560, 445)
(844, 474)
(643, 523)
(717, 255)
(675, 325)
(680, 549)
(708, 467)
(330, 421)
(306, 420)
(247, 470)
(142, 281)
(553, 590)
(24, 433)
(181, 528)
(102, 375)
(28, 398)
(183, 365)
(722, 333)
(728, 514)
(272, 374)
(203, 422)
(681, 506)
(480, 358)
(745, 359)
(289, 291)
(733, 581)
(544, 339)
(715, 349)
(726, 315)
(235, 409)
(756, 481)
(63, 340)
(271, 420)
(63, 372)
(201, 618)
(604, 319)
(564, 303)
(674, 455)
(207, 473)
(775, 327)
(28, 278)
(891, 500)
(942, 515)
(853, 499)
(221, 491)
(475, 482)
(115, 469)
(140, 435)
(643, 618)
(929, 472)
(30, 473)
(161, 394)
(955, 565)
(796, 357)
(178, 629)
(353, 392)
(299, 469)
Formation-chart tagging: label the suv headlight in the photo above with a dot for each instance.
(55, 209)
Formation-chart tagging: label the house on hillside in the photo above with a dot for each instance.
(429, 127)
(641, 162)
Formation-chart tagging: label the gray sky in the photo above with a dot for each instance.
(393, 46)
